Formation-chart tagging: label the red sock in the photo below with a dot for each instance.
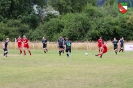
(20, 51)
(24, 52)
(29, 52)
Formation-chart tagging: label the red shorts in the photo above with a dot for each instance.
(26, 45)
(99, 45)
(104, 51)
(19, 45)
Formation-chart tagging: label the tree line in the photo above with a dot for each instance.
(79, 20)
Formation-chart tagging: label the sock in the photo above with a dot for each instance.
(122, 50)
(20, 51)
(116, 52)
(44, 51)
(24, 52)
(4, 54)
(67, 55)
(59, 52)
(29, 52)
(101, 56)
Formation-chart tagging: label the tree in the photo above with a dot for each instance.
(14, 8)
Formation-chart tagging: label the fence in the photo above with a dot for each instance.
(53, 45)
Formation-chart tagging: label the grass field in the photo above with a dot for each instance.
(53, 71)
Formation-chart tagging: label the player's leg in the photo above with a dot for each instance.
(69, 50)
(122, 47)
(59, 50)
(5, 52)
(46, 48)
(100, 50)
(20, 49)
(104, 51)
(28, 49)
(67, 53)
(24, 50)
(116, 51)
(63, 49)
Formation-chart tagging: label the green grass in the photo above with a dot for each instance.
(53, 71)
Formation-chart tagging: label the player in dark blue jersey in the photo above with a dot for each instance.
(5, 47)
(68, 47)
(60, 44)
(121, 42)
(44, 42)
(115, 43)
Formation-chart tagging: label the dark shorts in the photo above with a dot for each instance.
(68, 50)
(60, 46)
(5, 49)
(44, 45)
(121, 45)
(115, 47)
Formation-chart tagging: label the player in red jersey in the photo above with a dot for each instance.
(26, 45)
(19, 41)
(99, 41)
(103, 50)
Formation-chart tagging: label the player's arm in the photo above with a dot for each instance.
(118, 43)
(46, 42)
(3, 45)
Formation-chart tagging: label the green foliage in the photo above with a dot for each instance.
(12, 29)
(41, 3)
(79, 20)
(76, 26)
(14, 8)
(32, 20)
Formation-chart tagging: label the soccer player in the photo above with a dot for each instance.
(103, 50)
(44, 42)
(121, 42)
(19, 41)
(5, 47)
(99, 41)
(115, 43)
(60, 44)
(26, 45)
(68, 47)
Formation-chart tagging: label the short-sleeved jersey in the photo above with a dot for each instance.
(121, 42)
(5, 45)
(105, 47)
(99, 41)
(19, 41)
(44, 41)
(68, 44)
(115, 42)
(25, 40)
(60, 41)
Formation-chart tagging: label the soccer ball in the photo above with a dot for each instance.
(86, 54)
